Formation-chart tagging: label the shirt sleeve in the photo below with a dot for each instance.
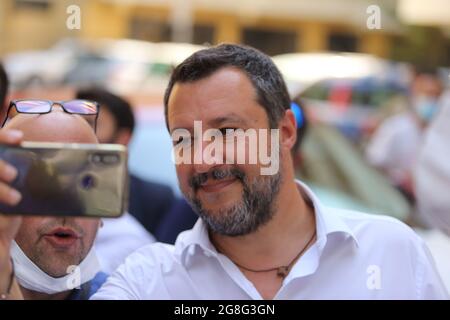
(380, 146)
(117, 239)
(119, 286)
(140, 277)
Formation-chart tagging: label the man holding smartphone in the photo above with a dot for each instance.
(52, 257)
(45, 257)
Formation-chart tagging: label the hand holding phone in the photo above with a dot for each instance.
(9, 225)
(8, 172)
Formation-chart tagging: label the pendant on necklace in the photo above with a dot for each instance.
(283, 271)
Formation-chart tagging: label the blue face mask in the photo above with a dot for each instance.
(298, 113)
(426, 107)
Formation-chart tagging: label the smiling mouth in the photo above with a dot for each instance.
(216, 186)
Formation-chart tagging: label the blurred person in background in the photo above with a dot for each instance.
(119, 237)
(394, 146)
(152, 204)
(335, 170)
(148, 201)
(432, 173)
(432, 185)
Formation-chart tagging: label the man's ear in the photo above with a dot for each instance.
(123, 137)
(288, 130)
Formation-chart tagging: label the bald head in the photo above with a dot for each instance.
(56, 126)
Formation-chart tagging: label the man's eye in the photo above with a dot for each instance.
(182, 140)
(227, 131)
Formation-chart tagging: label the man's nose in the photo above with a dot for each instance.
(204, 160)
(56, 107)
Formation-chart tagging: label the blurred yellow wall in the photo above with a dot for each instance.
(228, 27)
(24, 28)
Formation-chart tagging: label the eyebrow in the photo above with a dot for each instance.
(217, 122)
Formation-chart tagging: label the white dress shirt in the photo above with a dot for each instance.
(432, 174)
(356, 256)
(117, 239)
(395, 146)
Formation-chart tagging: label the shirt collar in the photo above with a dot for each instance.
(327, 222)
(195, 239)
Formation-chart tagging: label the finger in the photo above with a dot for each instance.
(11, 136)
(9, 225)
(9, 195)
(7, 172)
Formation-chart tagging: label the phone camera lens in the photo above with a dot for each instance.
(107, 159)
(88, 182)
(110, 159)
(96, 158)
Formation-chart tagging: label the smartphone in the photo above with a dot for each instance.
(68, 179)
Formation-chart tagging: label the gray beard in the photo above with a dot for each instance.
(256, 208)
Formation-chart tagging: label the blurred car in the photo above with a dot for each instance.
(145, 66)
(122, 65)
(354, 106)
(41, 67)
(89, 69)
(345, 90)
(339, 173)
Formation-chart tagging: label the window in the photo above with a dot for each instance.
(150, 30)
(32, 4)
(271, 42)
(203, 34)
(342, 42)
(143, 28)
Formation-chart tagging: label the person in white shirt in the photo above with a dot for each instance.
(46, 257)
(117, 239)
(261, 234)
(394, 147)
(432, 173)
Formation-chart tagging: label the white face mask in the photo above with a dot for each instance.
(31, 277)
